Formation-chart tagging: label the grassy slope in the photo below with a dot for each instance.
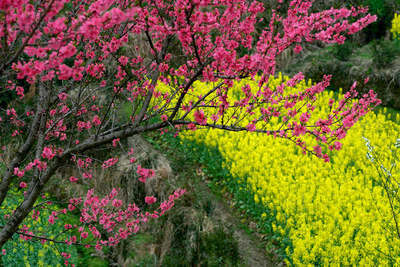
(199, 170)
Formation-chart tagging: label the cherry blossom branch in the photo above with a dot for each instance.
(21, 49)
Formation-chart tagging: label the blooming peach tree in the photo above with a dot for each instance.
(72, 64)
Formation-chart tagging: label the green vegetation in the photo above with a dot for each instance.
(32, 252)
(378, 60)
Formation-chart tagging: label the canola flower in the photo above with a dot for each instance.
(396, 26)
(333, 213)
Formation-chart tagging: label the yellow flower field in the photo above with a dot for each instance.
(333, 213)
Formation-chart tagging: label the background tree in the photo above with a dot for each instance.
(74, 64)
(372, 52)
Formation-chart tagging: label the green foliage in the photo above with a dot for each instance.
(92, 262)
(32, 252)
(219, 248)
(343, 52)
(384, 51)
(378, 60)
(85, 257)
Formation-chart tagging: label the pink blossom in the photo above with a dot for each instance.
(117, 203)
(56, 26)
(298, 129)
(123, 60)
(19, 172)
(96, 120)
(64, 72)
(51, 219)
(251, 127)
(317, 150)
(67, 51)
(199, 117)
(164, 67)
(150, 200)
(110, 162)
(84, 235)
(304, 117)
(48, 153)
(73, 179)
(191, 126)
(87, 175)
(115, 141)
(338, 145)
(144, 174)
(164, 117)
(20, 92)
(62, 96)
(297, 49)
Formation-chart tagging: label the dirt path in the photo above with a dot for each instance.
(250, 253)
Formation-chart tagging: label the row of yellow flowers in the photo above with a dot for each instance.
(333, 213)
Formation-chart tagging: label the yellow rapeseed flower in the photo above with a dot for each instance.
(396, 26)
(333, 214)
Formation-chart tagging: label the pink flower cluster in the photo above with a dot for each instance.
(48, 153)
(118, 220)
(110, 162)
(144, 173)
